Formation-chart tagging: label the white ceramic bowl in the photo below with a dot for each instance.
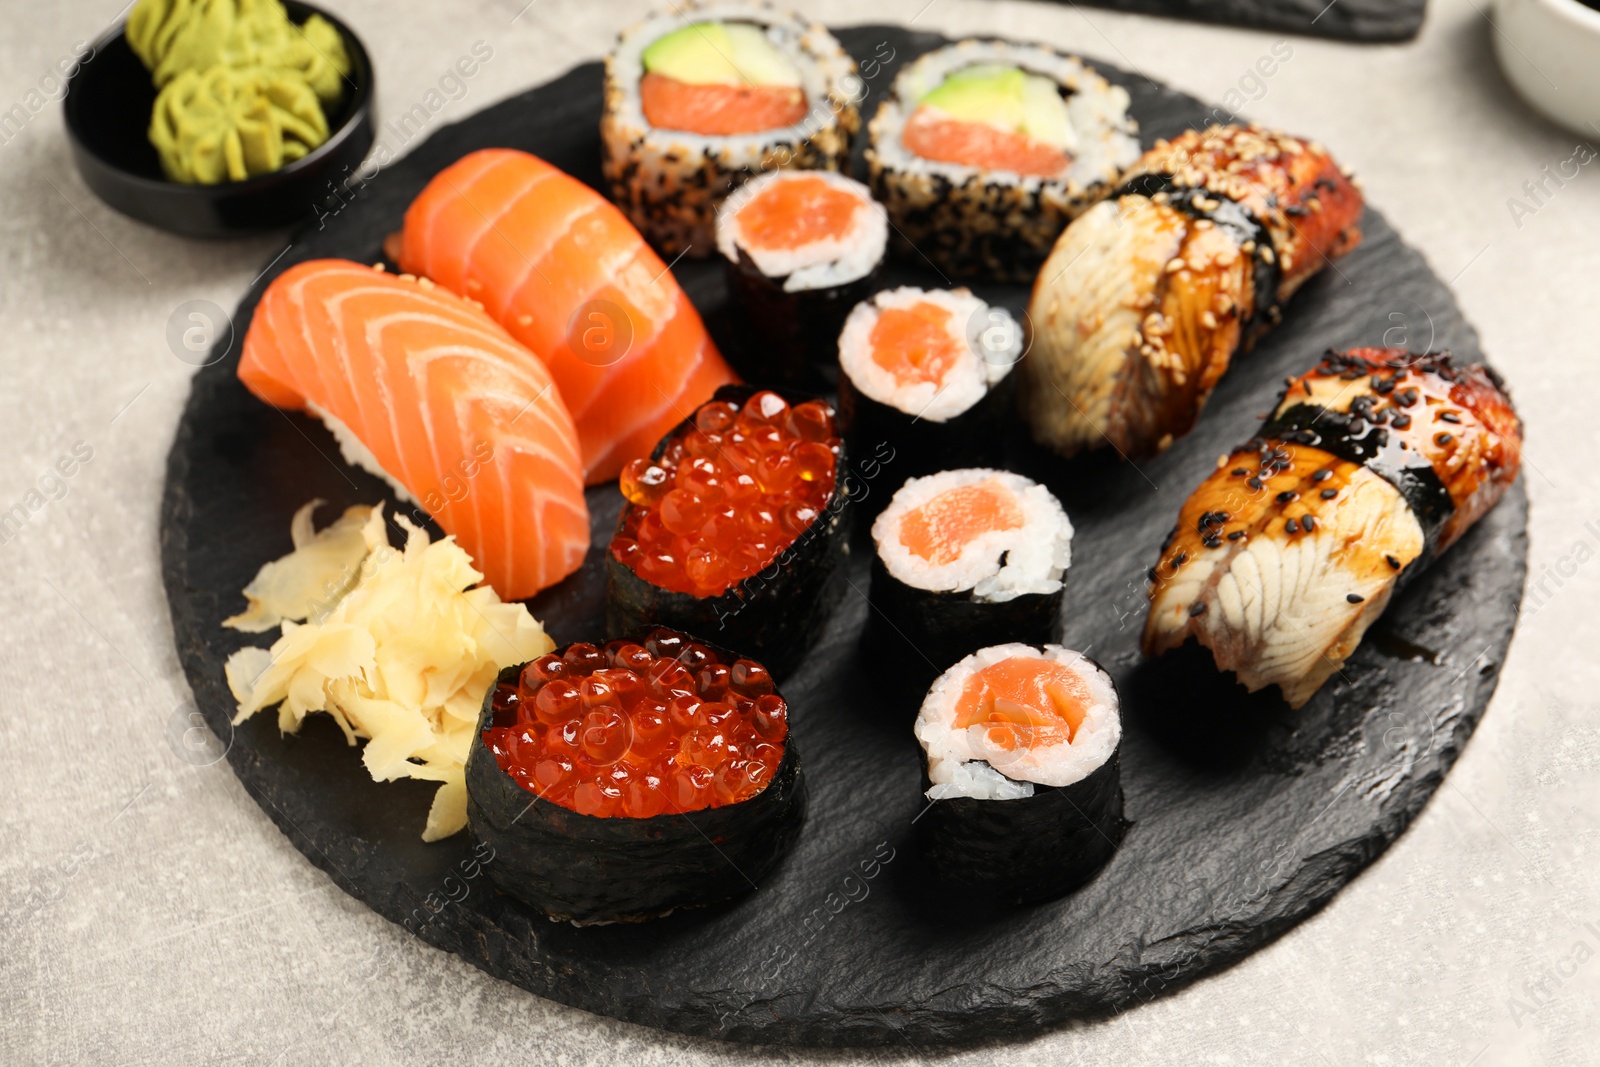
(1550, 53)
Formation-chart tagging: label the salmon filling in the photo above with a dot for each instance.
(1025, 702)
(717, 110)
(798, 212)
(940, 530)
(915, 344)
(932, 134)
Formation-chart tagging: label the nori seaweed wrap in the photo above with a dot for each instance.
(573, 843)
(760, 569)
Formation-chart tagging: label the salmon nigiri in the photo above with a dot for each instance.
(558, 266)
(425, 390)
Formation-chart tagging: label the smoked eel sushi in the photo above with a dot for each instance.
(424, 390)
(560, 268)
(800, 249)
(927, 373)
(1372, 464)
(619, 783)
(965, 559)
(703, 96)
(1021, 749)
(1147, 297)
(736, 527)
(986, 149)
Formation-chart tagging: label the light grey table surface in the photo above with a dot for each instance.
(152, 914)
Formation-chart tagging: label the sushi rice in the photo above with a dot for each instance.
(965, 763)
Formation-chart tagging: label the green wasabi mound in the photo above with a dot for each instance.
(233, 123)
(172, 36)
(721, 53)
(242, 87)
(1006, 98)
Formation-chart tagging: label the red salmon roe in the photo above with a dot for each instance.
(739, 487)
(634, 730)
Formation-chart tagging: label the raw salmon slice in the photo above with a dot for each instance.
(430, 393)
(559, 267)
(719, 110)
(1024, 701)
(934, 135)
(798, 212)
(915, 343)
(939, 530)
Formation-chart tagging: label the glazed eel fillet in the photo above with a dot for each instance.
(1371, 465)
(1147, 296)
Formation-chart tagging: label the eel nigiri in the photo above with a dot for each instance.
(1371, 465)
(426, 391)
(1147, 296)
(559, 267)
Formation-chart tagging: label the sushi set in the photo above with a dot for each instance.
(789, 639)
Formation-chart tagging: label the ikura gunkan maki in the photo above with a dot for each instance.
(618, 783)
(801, 248)
(987, 149)
(703, 96)
(1021, 748)
(965, 558)
(736, 527)
(927, 373)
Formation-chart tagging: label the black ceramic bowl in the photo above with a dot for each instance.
(108, 107)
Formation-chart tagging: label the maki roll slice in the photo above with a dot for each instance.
(1025, 796)
(619, 783)
(1147, 297)
(703, 96)
(925, 382)
(1372, 464)
(736, 527)
(965, 559)
(986, 149)
(801, 248)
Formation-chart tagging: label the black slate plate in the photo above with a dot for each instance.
(1351, 20)
(1246, 817)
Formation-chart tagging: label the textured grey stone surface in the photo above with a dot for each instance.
(154, 914)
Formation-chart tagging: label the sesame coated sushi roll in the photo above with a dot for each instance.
(1021, 750)
(702, 96)
(619, 783)
(801, 248)
(925, 382)
(1147, 297)
(965, 559)
(736, 527)
(986, 149)
(1373, 464)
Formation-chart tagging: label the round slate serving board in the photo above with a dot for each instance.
(1246, 817)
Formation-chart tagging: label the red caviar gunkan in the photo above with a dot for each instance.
(638, 728)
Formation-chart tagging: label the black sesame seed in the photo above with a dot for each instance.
(1197, 608)
(1392, 562)
(1406, 397)
(1212, 542)
(1308, 523)
(1354, 598)
(1288, 496)
(1449, 416)
(1254, 483)
(1401, 421)
(1236, 535)
(1177, 561)
(1238, 472)
(1329, 494)
(1292, 526)
(1442, 438)
(1322, 476)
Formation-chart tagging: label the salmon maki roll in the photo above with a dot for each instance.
(1147, 297)
(1372, 464)
(561, 269)
(422, 389)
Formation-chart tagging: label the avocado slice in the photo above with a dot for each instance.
(1009, 99)
(721, 53)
